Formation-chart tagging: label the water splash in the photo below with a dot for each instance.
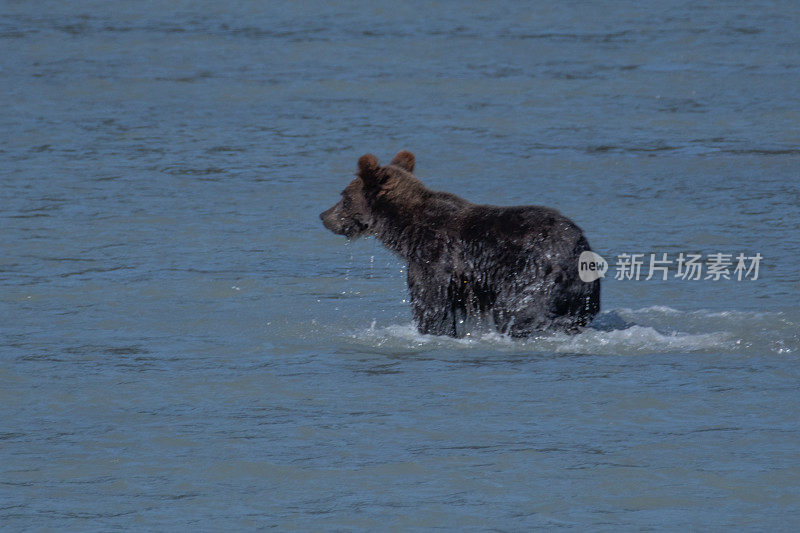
(650, 330)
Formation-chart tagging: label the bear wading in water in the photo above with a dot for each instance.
(513, 268)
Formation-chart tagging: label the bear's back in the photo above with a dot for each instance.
(520, 225)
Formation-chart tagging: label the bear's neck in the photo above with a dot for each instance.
(416, 226)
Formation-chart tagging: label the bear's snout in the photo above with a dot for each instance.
(332, 220)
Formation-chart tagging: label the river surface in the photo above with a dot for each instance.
(183, 346)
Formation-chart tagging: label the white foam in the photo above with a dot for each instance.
(699, 313)
(408, 333)
(649, 330)
(629, 341)
(664, 309)
(640, 340)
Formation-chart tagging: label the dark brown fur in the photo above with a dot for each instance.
(515, 268)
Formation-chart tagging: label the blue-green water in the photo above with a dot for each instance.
(183, 345)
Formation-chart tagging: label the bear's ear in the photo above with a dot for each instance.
(368, 169)
(405, 160)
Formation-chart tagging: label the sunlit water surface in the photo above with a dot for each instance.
(183, 346)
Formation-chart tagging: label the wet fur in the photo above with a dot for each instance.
(514, 268)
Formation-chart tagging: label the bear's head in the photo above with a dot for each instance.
(352, 215)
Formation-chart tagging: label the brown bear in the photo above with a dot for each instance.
(514, 269)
